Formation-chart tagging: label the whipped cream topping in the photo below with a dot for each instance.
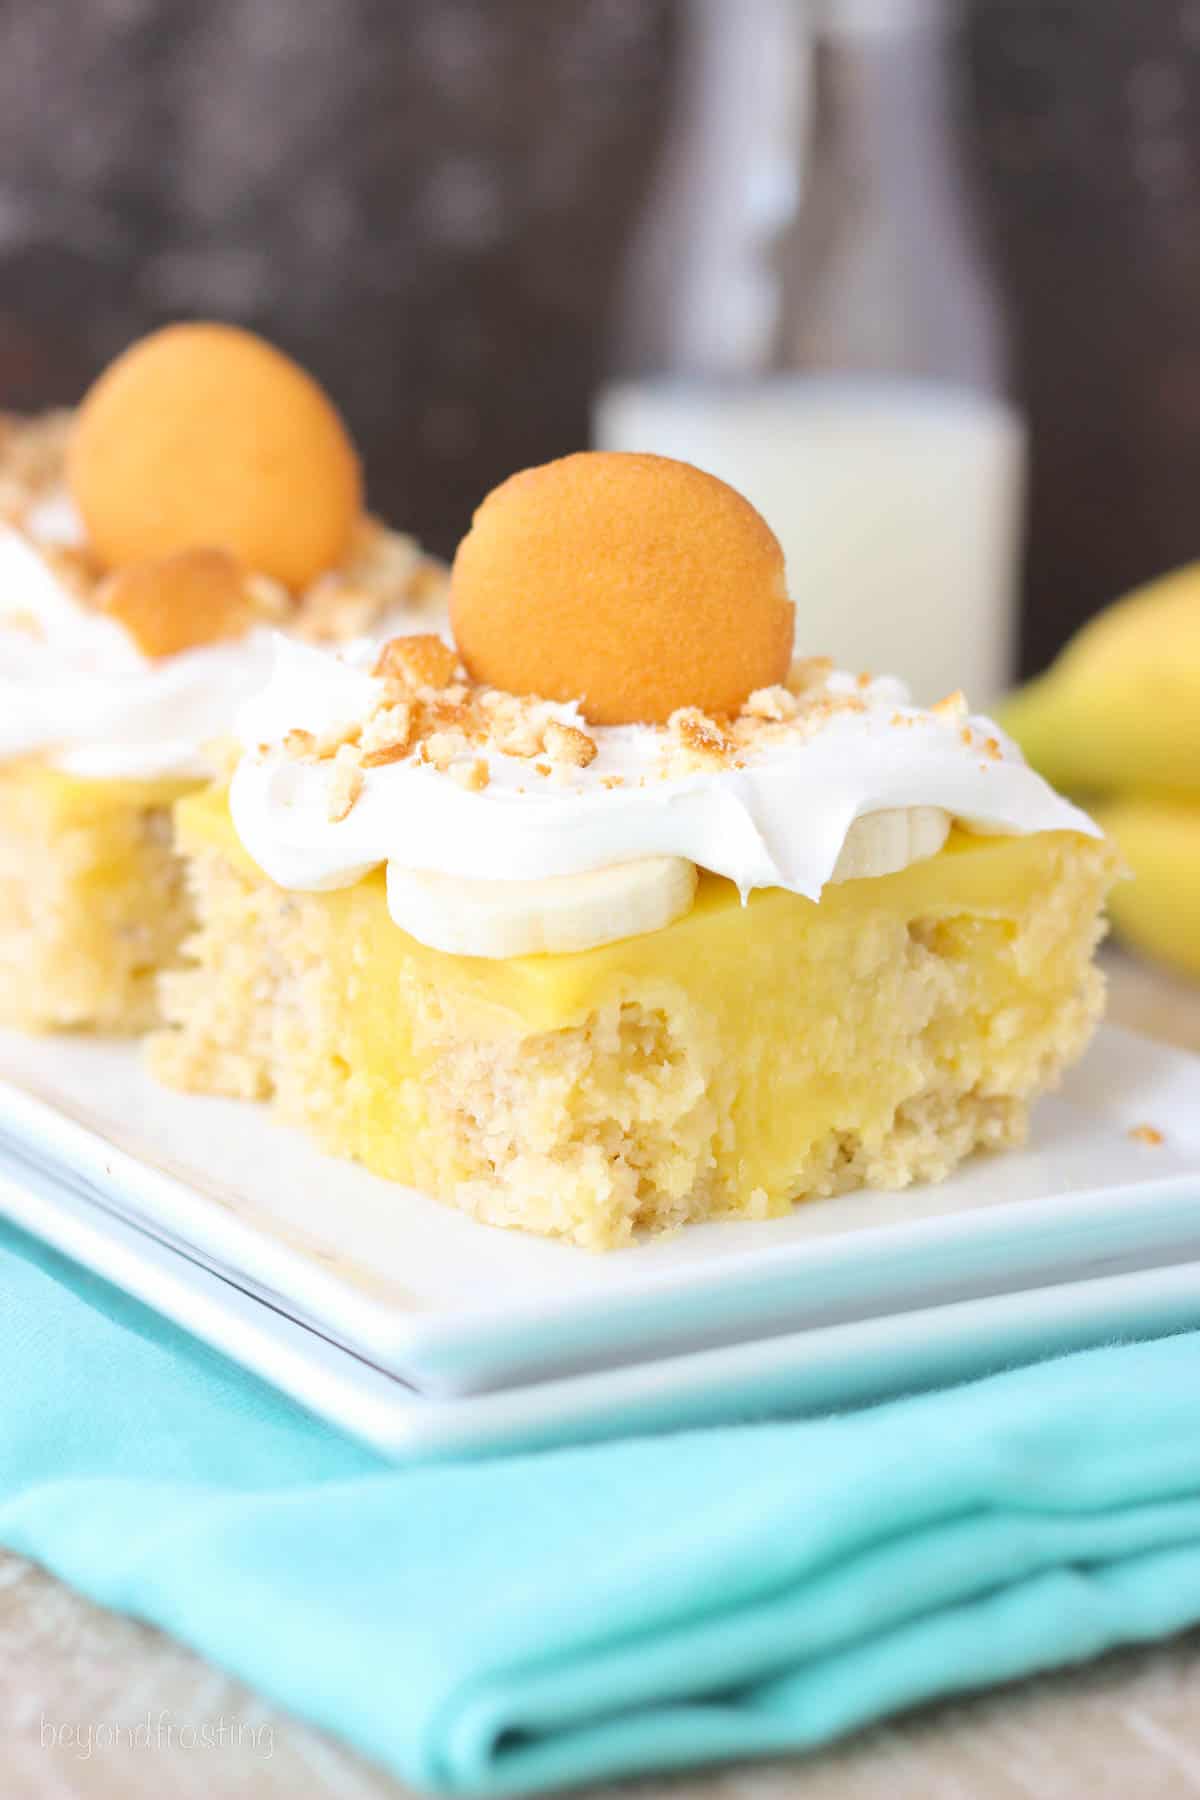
(778, 820)
(74, 686)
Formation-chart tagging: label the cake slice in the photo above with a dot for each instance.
(123, 659)
(733, 1062)
(92, 898)
(594, 978)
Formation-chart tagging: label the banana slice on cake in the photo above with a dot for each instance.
(881, 843)
(579, 912)
(554, 915)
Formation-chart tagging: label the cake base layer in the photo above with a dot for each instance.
(93, 901)
(737, 1061)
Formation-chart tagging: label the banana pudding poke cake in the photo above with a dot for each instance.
(205, 495)
(614, 916)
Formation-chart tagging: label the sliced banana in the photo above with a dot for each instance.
(880, 843)
(579, 912)
(556, 914)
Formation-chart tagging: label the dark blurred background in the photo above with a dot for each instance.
(466, 216)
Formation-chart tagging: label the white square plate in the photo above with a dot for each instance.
(818, 1370)
(452, 1307)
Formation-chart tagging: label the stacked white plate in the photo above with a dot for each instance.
(426, 1334)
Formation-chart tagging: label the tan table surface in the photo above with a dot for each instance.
(1126, 1726)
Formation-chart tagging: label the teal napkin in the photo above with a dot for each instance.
(498, 1627)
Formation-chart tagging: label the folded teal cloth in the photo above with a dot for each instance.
(499, 1627)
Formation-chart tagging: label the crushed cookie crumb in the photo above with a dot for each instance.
(335, 610)
(516, 726)
(441, 748)
(808, 673)
(1146, 1134)
(774, 703)
(424, 709)
(388, 733)
(305, 746)
(422, 661)
(268, 598)
(32, 457)
(345, 785)
(567, 746)
(474, 775)
(865, 679)
(384, 571)
(384, 756)
(952, 706)
(24, 622)
(698, 733)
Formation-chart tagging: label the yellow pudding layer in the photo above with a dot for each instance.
(740, 1059)
(92, 898)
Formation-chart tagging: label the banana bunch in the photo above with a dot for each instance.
(1116, 722)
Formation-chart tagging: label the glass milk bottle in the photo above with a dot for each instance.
(832, 347)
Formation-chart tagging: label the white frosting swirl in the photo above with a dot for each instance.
(74, 686)
(779, 821)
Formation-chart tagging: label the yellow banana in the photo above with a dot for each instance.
(1120, 708)
(1159, 910)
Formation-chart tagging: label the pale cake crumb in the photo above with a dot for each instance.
(1146, 1134)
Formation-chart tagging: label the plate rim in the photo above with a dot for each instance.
(456, 1351)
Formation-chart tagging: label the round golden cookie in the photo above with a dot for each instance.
(205, 435)
(633, 583)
